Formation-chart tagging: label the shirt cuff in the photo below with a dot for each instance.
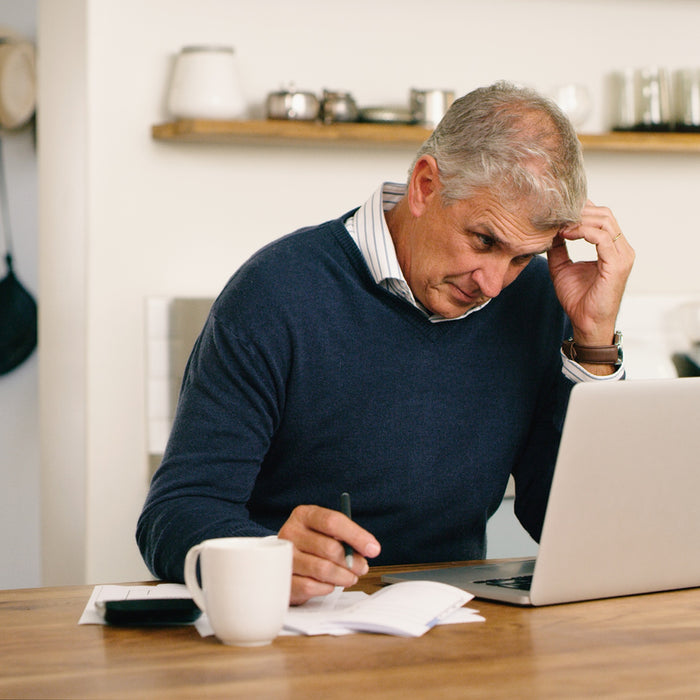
(575, 373)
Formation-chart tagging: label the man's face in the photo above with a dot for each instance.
(458, 256)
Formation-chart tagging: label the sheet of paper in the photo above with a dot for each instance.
(407, 609)
(462, 616)
(404, 609)
(317, 615)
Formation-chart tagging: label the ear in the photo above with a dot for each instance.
(424, 184)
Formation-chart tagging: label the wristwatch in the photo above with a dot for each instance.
(594, 354)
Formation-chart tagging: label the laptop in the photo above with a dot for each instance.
(622, 516)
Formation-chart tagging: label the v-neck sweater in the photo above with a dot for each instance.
(309, 379)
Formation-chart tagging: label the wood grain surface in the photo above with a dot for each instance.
(642, 646)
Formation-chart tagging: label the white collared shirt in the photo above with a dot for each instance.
(370, 231)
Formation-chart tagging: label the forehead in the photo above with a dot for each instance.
(507, 222)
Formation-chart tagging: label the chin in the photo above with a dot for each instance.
(453, 312)
(456, 311)
(450, 305)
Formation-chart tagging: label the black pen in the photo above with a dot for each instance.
(345, 510)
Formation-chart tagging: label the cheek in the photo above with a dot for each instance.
(460, 261)
(446, 257)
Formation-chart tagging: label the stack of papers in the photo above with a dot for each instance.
(407, 609)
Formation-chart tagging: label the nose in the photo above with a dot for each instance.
(492, 276)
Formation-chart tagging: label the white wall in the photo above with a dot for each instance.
(134, 218)
(19, 405)
(63, 208)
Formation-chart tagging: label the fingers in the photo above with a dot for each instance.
(319, 564)
(598, 226)
(321, 531)
(558, 253)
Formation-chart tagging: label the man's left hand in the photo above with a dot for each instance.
(590, 292)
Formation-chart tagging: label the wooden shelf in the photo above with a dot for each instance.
(280, 131)
(637, 141)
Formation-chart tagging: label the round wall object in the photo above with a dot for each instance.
(17, 80)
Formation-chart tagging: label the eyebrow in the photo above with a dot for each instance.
(486, 230)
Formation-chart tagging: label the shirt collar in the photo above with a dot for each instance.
(368, 228)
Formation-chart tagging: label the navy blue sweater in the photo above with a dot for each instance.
(309, 380)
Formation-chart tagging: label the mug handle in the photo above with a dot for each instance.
(191, 575)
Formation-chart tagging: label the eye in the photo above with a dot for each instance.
(522, 260)
(484, 241)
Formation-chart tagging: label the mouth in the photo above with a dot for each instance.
(472, 298)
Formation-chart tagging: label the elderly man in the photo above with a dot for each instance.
(414, 352)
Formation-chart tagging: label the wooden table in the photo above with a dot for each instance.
(642, 646)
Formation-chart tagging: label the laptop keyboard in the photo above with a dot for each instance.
(521, 583)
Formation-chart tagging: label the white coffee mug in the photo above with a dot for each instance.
(245, 586)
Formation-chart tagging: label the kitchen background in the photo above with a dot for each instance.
(124, 219)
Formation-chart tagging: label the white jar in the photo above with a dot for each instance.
(205, 84)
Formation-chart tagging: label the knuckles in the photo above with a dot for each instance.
(311, 528)
(304, 588)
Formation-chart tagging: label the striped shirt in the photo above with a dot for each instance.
(368, 228)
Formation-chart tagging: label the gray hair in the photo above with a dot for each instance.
(516, 143)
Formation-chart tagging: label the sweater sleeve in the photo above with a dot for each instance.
(227, 412)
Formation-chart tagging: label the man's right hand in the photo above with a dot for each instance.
(319, 564)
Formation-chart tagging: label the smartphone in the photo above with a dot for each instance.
(150, 611)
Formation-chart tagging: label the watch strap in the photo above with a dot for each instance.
(594, 354)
